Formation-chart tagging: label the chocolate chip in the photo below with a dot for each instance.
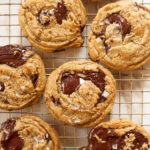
(2, 87)
(125, 28)
(61, 12)
(34, 79)
(12, 141)
(110, 140)
(70, 82)
(56, 102)
(12, 55)
(45, 13)
(5, 101)
(38, 39)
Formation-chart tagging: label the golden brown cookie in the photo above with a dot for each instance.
(119, 134)
(120, 35)
(53, 25)
(22, 77)
(28, 133)
(80, 93)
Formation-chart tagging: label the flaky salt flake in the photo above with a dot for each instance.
(114, 146)
(23, 87)
(47, 135)
(101, 23)
(82, 81)
(47, 148)
(4, 77)
(41, 141)
(77, 120)
(129, 148)
(17, 94)
(105, 94)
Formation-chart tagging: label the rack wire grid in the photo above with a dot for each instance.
(133, 87)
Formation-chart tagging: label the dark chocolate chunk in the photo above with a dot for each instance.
(61, 12)
(70, 82)
(45, 13)
(12, 141)
(124, 26)
(9, 124)
(2, 87)
(34, 79)
(111, 141)
(12, 55)
(56, 102)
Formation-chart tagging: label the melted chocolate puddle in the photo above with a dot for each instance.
(60, 13)
(125, 28)
(70, 82)
(12, 56)
(109, 140)
(10, 140)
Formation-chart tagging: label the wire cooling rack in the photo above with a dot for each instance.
(133, 87)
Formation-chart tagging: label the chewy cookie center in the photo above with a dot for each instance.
(106, 139)
(121, 23)
(60, 13)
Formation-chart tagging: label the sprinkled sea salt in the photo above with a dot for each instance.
(114, 146)
(82, 81)
(23, 87)
(105, 94)
(47, 148)
(17, 94)
(77, 120)
(47, 136)
(4, 77)
(101, 23)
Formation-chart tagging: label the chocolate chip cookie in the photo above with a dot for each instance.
(29, 133)
(119, 134)
(53, 25)
(119, 35)
(80, 93)
(22, 77)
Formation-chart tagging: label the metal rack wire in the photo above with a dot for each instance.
(133, 87)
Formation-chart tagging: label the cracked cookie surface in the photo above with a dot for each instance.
(53, 25)
(119, 35)
(80, 93)
(28, 133)
(119, 134)
(22, 77)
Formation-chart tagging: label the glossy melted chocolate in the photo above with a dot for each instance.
(12, 56)
(10, 140)
(109, 140)
(71, 81)
(60, 14)
(118, 19)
